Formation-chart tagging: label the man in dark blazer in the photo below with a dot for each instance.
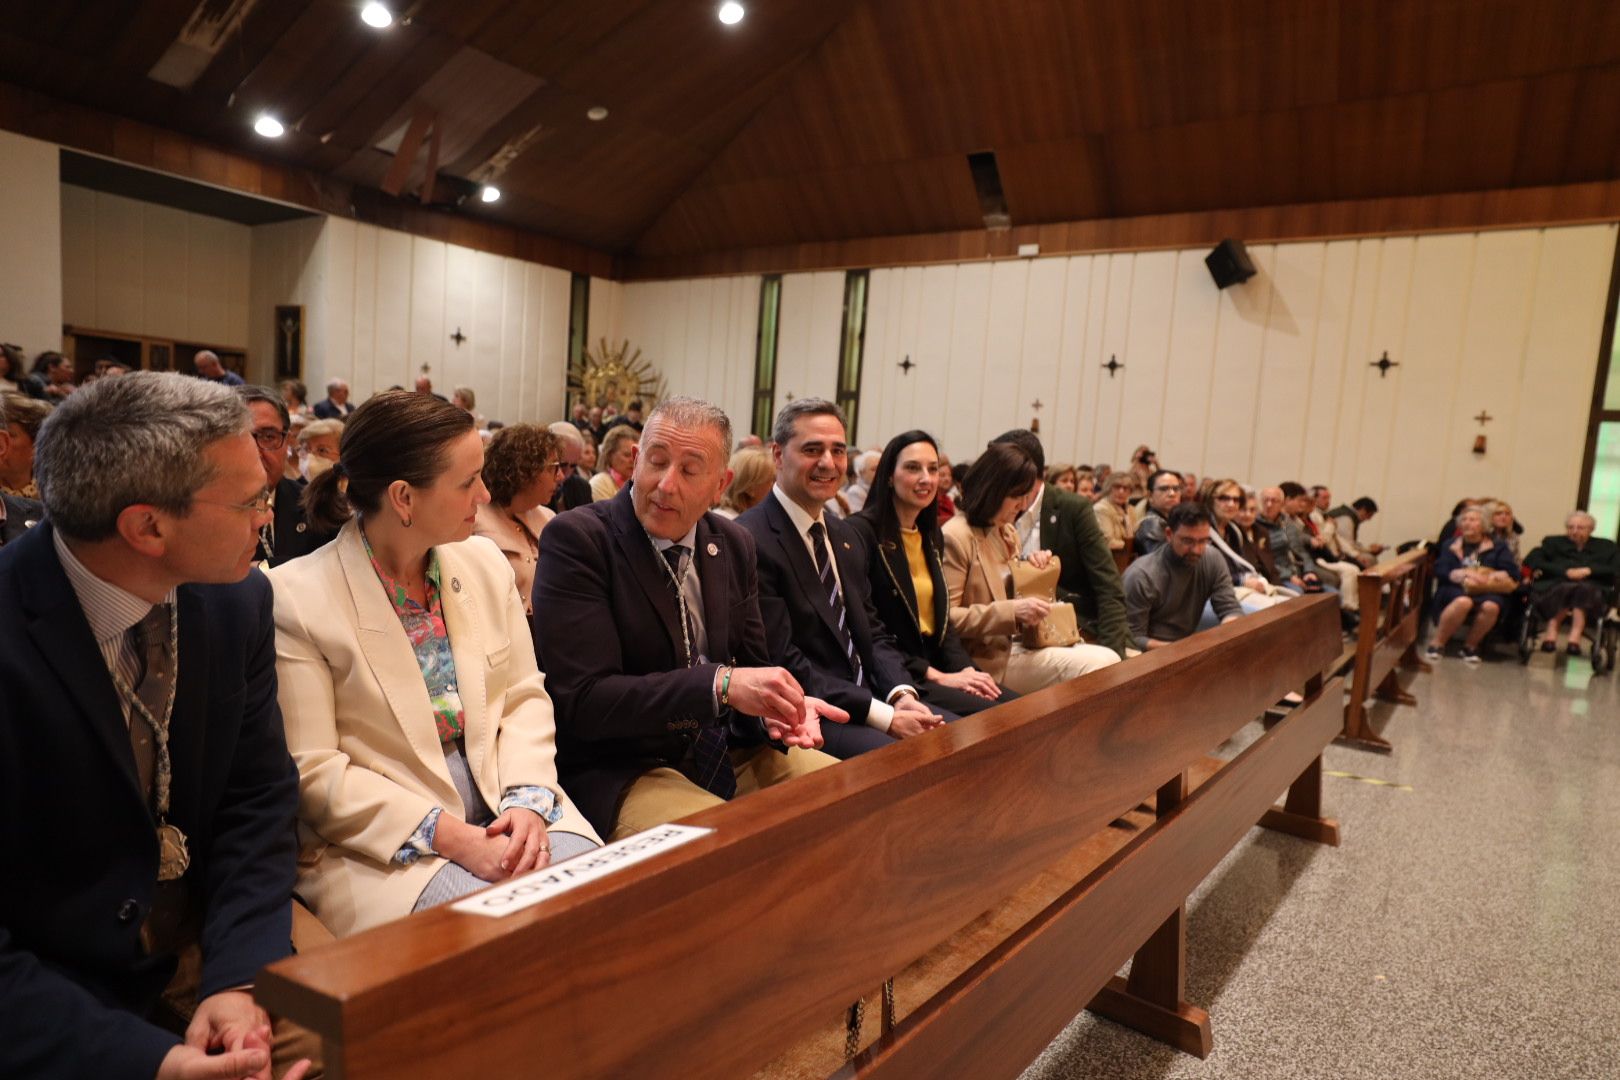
(815, 594)
(1066, 525)
(17, 516)
(337, 405)
(129, 597)
(647, 625)
(288, 534)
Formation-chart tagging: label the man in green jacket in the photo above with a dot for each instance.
(1065, 524)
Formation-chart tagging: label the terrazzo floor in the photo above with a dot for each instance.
(1469, 927)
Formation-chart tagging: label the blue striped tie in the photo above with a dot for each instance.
(835, 599)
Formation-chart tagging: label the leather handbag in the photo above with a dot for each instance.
(1060, 628)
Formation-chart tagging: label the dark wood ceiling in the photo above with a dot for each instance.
(819, 120)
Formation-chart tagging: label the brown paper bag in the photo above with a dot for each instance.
(1059, 628)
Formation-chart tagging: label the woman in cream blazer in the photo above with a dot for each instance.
(981, 546)
(365, 729)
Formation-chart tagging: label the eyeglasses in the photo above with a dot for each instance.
(1167, 488)
(1228, 498)
(557, 466)
(260, 505)
(270, 438)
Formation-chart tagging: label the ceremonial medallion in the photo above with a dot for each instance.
(173, 858)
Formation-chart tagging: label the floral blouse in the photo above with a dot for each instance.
(430, 641)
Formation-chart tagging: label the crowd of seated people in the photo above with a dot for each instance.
(466, 658)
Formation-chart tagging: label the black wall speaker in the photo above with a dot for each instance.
(1229, 263)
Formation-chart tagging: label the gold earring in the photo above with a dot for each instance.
(406, 522)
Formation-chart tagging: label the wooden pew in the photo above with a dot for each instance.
(1386, 640)
(709, 959)
(1123, 557)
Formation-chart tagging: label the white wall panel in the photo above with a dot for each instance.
(1043, 319)
(1145, 384)
(1191, 392)
(968, 352)
(1070, 430)
(1334, 300)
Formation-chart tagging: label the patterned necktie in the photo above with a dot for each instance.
(835, 600)
(151, 636)
(709, 766)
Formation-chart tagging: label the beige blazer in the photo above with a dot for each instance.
(360, 725)
(497, 525)
(976, 569)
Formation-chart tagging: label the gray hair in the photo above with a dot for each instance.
(691, 412)
(567, 432)
(135, 439)
(782, 430)
(333, 384)
(315, 429)
(1573, 514)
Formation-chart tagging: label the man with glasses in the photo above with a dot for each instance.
(1164, 495)
(1165, 592)
(143, 767)
(287, 534)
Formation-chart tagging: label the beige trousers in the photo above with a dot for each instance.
(663, 795)
(1032, 670)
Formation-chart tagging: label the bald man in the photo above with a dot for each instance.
(208, 367)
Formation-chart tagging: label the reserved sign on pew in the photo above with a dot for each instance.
(532, 888)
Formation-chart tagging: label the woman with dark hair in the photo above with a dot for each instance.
(522, 467)
(900, 526)
(51, 378)
(413, 706)
(981, 546)
(11, 369)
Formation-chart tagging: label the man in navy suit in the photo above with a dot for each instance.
(815, 593)
(142, 761)
(337, 405)
(647, 625)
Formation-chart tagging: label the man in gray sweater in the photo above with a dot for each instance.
(1165, 592)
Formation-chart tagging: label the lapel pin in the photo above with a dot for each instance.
(846, 545)
(455, 584)
(713, 548)
(29, 523)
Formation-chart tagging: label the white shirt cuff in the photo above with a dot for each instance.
(880, 715)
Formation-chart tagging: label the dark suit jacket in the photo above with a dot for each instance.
(20, 513)
(1090, 580)
(327, 409)
(798, 623)
(607, 633)
(895, 599)
(74, 983)
(294, 535)
(574, 491)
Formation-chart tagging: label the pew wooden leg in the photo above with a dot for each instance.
(1301, 812)
(1151, 1000)
(1392, 690)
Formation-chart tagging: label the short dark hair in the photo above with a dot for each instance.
(1291, 490)
(1317, 489)
(1028, 442)
(1186, 515)
(250, 394)
(395, 435)
(1366, 503)
(782, 430)
(1005, 470)
(1153, 477)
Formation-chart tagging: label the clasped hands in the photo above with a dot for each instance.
(228, 1022)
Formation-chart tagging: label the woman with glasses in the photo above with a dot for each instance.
(900, 527)
(981, 546)
(522, 468)
(1224, 500)
(413, 706)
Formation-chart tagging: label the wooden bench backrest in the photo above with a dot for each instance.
(1388, 633)
(710, 958)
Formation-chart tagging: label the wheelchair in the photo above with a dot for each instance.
(1602, 636)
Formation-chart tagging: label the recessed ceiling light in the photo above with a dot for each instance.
(489, 193)
(268, 126)
(596, 112)
(731, 12)
(377, 15)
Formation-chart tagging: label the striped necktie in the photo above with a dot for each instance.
(709, 766)
(835, 600)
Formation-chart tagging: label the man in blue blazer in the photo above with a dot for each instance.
(142, 761)
(815, 594)
(647, 625)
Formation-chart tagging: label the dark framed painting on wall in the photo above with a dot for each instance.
(289, 341)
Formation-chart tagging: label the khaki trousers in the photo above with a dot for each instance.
(663, 795)
(1029, 670)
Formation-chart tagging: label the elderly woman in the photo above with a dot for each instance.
(981, 546)
(522, 466)
(23, 419)
(413, 706)
(900, 527)
(1572, 573)
(1085, 484)
(1474, 573)
(752, 474)
(318, 447)
(1115, 515)
(614, 461)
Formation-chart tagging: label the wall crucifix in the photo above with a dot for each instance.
(1113, 365)
(458, 337)
(1383, 364)
(906, 365)
(1484, 418)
